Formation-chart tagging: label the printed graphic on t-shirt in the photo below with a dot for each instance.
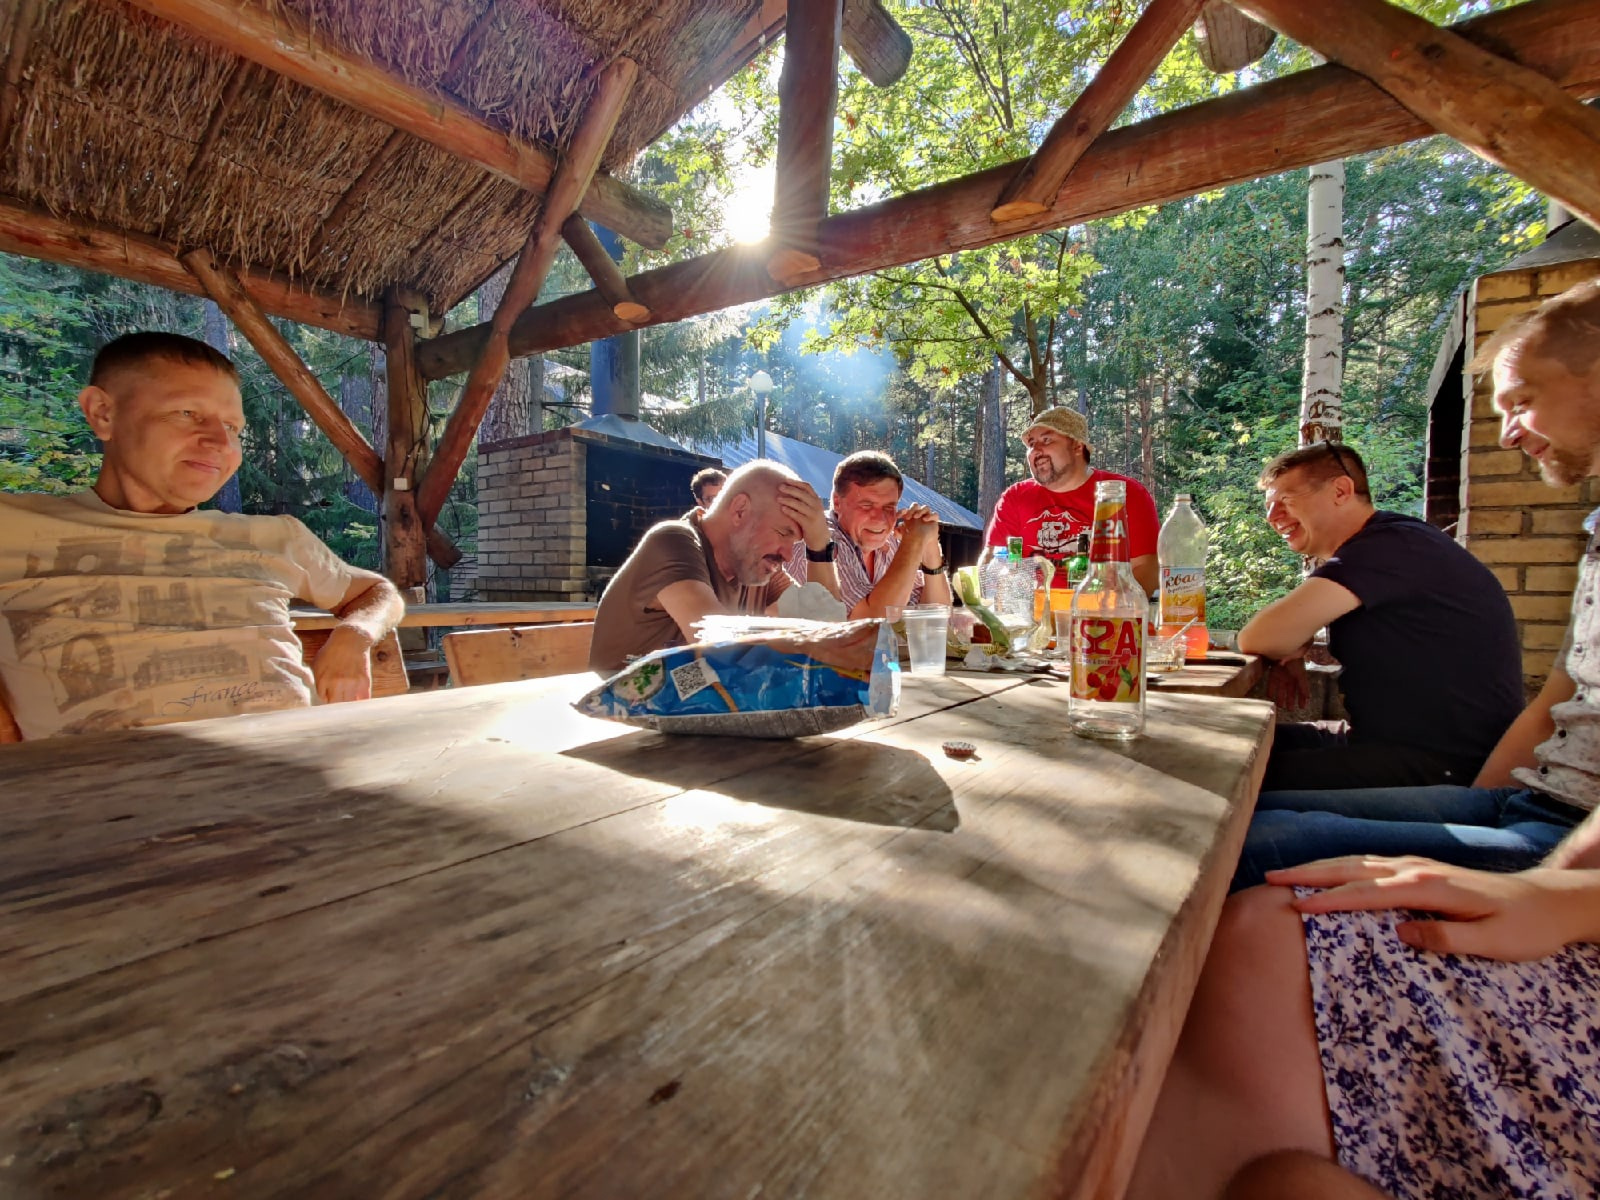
(1056, 534)
(118, 628)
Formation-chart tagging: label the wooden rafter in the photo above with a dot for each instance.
(11, 84)
(1228, 40)
(200, 160)
(356, 192)
(129, 256)
(567, 188)
(284, 42)
(224, 287)
(603, 269)
(1037, 185)
(1324, 113)
(808, 92)
(1512, 116)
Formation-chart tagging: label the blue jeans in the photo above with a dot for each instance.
(1492, 829)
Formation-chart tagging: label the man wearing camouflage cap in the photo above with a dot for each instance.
(1048, 511)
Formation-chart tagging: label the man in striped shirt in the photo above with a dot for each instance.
(884, 555)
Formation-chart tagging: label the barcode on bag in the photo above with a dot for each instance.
(693, 677)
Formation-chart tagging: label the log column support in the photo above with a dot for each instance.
(405, 457)
(571, 181)
(1510, 115)
(1133, 61)
(603, 269)
(223, 287)
(808, 93)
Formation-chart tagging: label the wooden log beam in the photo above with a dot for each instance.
(284, 42)
(1131, 64)
(225, 288)
(1228, 40)
(1310, 117)
(1510, 115)
(603, 269)
(578, 163)
(22, 30)
(130, 256)
(808, 92)
(875, 42)
(356, 192)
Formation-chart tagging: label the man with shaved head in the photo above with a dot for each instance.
(728, 559)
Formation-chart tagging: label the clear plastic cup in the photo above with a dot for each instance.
(927, 627)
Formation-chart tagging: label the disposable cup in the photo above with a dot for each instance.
(1063, 650)
(927, 626)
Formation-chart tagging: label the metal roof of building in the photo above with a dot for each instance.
(815, 465)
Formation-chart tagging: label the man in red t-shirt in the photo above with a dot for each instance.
(1048, 511)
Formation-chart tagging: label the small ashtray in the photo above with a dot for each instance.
(961, 750)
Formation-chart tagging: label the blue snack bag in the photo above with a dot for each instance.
(791, 680)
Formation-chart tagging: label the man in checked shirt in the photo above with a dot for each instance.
(884, 555)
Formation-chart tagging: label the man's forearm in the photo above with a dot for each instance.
(1515, 747)
(374, 612)
(895, 586)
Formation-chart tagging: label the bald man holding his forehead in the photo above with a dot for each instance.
(728, 559)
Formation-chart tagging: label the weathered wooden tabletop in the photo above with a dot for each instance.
(465, 614)
(1223, 673)
(469, 943)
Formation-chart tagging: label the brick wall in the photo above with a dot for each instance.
(531, 524)
(1528, 533)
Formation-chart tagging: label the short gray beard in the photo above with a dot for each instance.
(1563, 468)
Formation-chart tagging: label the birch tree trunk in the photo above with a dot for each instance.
(1322, 392)
(991, 444)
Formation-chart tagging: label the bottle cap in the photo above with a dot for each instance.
(1183, 498)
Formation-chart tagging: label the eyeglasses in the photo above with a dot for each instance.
(1338, 456)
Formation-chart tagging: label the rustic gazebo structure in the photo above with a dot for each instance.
(362, 167)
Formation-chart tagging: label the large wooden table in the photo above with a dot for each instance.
(469, 943)
(463, 615)
(1223, 673)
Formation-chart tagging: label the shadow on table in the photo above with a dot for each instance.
(890, 786)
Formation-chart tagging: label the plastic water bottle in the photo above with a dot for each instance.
(1015, 584)
(1109, 610)
(1181, 549)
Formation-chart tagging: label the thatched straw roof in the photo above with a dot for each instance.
(112, 103)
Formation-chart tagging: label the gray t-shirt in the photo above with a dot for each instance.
(1569, 760)
(630, 620)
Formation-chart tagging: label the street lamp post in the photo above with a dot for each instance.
(761, 384)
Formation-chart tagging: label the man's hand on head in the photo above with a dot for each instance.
(343, 667)
(804, 507)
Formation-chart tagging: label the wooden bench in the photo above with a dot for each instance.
(388, 666)
(526, 652)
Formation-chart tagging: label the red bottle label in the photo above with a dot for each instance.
(1107, 657)
(1110, 532)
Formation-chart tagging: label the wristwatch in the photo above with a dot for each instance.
(823, 555)
(939, 570)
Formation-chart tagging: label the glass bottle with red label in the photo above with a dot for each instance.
(1109, 610)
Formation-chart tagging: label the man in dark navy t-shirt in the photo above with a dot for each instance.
(1432, 672)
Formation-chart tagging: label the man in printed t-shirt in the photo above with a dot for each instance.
(1048, 511)
(126, 605)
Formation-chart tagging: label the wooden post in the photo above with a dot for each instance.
(1509, 114)
(875, 42)
(285, 42)
(223, 287)
(533, 264)
(129, 256)
(1154, 34)
(807, 94)
(1310, 117)
(404, 534)
(603, 269)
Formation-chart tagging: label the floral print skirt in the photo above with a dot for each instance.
(1452, 1077)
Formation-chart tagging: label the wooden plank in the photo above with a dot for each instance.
(464, 615)
(977, 947)
(602, 268)
(567, 187)
(1221, 674)
(388, 665)
(283, 41)
(1035, 188)
(808, 92)
(37, 234)
(1324, 113)
(178, 813)
(480, 656)
(1509, 114)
